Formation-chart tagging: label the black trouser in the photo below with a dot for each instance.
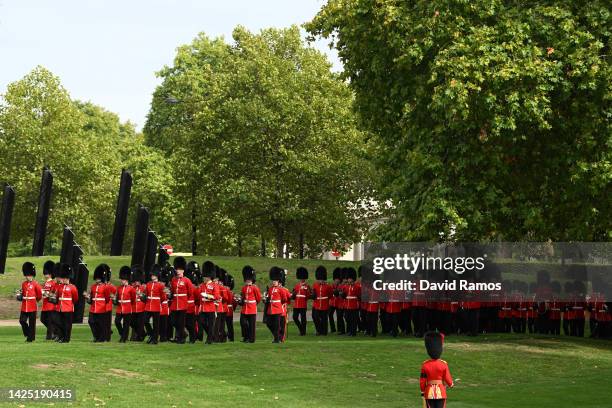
(164, 328)
(319, 317)
(506, 325)
(122, 322)
(190, 323)
(247, 326)
(219, 329)
(472, 316)
(207, 323)
(332, 323)
(152, 331)
(108, 323)
(554, 327)
(283, 328)
(531, 325)
(372, 323)
(47, 319)
(28, 324)
(299, 317)
(435, 403)
(137, 325)
(363, 326)
(418, 319)
(593, 326)
(566, 326)
(352, 320)
(96, 323)
(577, 327)
(404, 321)
(275, 326)
(178, 322)
(542, 323)
(340, 318)
(229, 323)
(65, 324)
(393, 323)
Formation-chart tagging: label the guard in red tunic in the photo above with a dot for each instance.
(322, 293)
(208, 295)
(337, 279)
(165, 328)
(67, 296)
(192, 272)
(125, 301)
(137, 322)
(181, 288)
(154, 296)
(435, 374)
(29, 294)
(284, 316)
(370, 299)
(301, 293)
(554, 307)
(47, 314)
(505, 308)
(231, 306)
(221, 335)
(97, 298)
(276, 297)
(250, 296)
(108, 316)
(352, 297)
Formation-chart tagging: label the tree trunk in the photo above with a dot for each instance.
(263, 247)
(301, 245)
(194, 236)
(280, 242)
(239, 246)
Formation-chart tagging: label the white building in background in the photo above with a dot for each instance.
(354, 253)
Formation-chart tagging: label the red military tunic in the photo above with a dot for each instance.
(155, 297)
(140, 305)
(251, 295)
(278, 297)
(231, 303)
(126, 296)
(222, 302)
(353, 295)
(111, 291)
(208, 295)
(48, 287)
(302, 292)
(181, 287)
(288, 295)
(435, 376)
(99, 298)
(67, 297)
(31, 293)
(323, 294)
(554, 308)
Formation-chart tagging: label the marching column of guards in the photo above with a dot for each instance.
(183, 303)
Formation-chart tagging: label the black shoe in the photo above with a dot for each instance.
(275, 341)
(153, 342)
(244, 341)
(251, 341)
(181, 341)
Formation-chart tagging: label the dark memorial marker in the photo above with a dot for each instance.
(67, 243)
(151, 253)
(42, 215)
(140, 236)
(121, 213)
(8, 202)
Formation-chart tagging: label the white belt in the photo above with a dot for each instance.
(373, 302)
(602, 311)
(300, 295)
(180, 294)
(62, 298)
(555, 309)
(351, 297)
(153, 298)
(578, 308)
(522, 310)
(124, 301)
(190, 301)
(322, 298)
(98, 299)
(275, 301)
(250, 301)
(230, 306)
(28, 297)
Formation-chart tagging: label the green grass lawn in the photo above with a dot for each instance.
(490, 371)
(12, 278)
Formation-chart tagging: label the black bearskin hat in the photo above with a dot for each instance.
(248, 273)
(283, 279)
(28, 269)
(65, 271)
(180, 263)
(100, 272)
(276, 273)
(48, 268)
(579, 287)
(555, 286)
(156, 270)
(229, 281)
(166, 273)
(107, 274)
(434, 343)
(125, 272)
(222, 274)
(217, 272)
(360, 271)
(321, 273)
(568, 287)
(301, 273)
(337, 273)
(351, 273)
(208, 270)
(137, 274)
(57, 270)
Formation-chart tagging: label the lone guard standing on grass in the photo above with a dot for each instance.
(301, 293)
(29, 294)
(97, 298)
(250, 296)
(435, 374)
(67, 296)
(181, 288)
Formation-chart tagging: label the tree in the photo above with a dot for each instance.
(492, 118)
(264, 140)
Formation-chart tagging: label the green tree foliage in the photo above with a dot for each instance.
(263, 140)
(492, 117)
(85, 146)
